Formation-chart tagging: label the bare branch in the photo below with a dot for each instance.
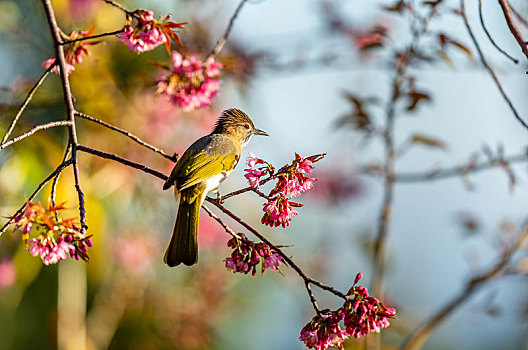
(458, 170)
(39, 187)
(513, 27)
(25, 103)
(419, 337)
(173, 158)
(488, 67)
(34, 130)
(121, 160)
(519, 17)
(220, 43)
(56, 178)
(516, 61)
(68, 102)
(66, 42)
(118, 5)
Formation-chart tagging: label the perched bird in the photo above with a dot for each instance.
(203, 166)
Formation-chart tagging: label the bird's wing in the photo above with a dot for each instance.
(200, 166)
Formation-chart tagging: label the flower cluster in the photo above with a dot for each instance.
(144, 33)
(192, 83)
(56, 238)
(291, 182)
(324, 331)
(360, 313)
(73, 52)
(248, 254)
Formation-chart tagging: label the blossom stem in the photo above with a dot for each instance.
(173, 158)
(66, 42)
(34, 130)
(25, 103)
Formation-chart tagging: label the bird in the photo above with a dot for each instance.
(200, 170)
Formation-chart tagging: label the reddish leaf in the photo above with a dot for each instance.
(416, 97)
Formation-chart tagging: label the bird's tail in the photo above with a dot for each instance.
(183, 246)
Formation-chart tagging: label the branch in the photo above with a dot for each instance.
(488, 67)
(419, 337)
(66, 42)
(39, 187)
(119, 6)
(68, 102)
(220, 43)
(56, 178)
(34, 130)
(458, 170)
(516, 61)
(288, 260)
(513, 27)
(227, 228)
(519, 17)
(121, 160)
(249, 188)
(25, 103)
(173, 158)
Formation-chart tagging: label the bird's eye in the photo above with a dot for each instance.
(246, 126)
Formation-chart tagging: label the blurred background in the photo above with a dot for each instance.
(296, 68)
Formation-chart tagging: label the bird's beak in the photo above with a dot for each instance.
(260, 132)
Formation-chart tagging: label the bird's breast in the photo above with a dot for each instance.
(212, 183)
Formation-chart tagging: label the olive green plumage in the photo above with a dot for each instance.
(203, 166)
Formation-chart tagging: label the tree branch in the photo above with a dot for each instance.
(66, 42)
(173, 158)
(34, 130)
(419, 337)
(516, 61)
(68, 102)
(488, 67)
(121, 160)
(220, 43)
(25, 103)
(513, 27)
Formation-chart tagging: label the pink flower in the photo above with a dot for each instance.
(47, 63)
(50, 252)
(253, 177)
(191, 84)
(247, 255)
(278, 212)
(305, 166)
(252, 160)
(364, 314)
(146, 33)
(324, 331)
(7, 274)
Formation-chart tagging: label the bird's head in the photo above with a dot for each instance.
(237, 124)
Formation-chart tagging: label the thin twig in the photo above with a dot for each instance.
(68, 102)
(419, 337)
(119, 6)
(457, 170)
(224, 225)
(34, 130)
(312, 298)
(249, 188)
(173, 158)
(286, 258)
(39, 187)
(513, 27)
(488, 67)
(519, 17)
(516, 61)
(220, 43)
(25, 103)
(66, 42)
(121, 160)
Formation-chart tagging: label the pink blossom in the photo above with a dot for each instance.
(191, 84)
(247, 255)
(252, 160)
(47, 63)
(278, 212)
(50, 252)
(324, 331)
(305, 166)
(253, 177)
(7, 274)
